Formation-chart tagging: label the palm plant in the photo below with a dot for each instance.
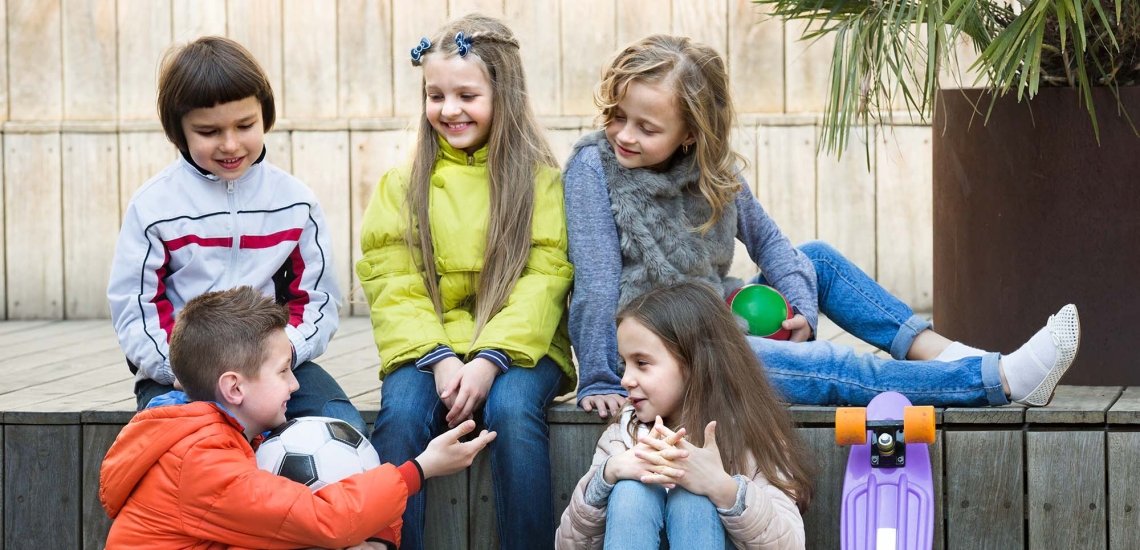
(887, 48)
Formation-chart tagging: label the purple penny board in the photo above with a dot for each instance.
(887, 508)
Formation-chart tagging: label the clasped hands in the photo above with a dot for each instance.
(664, 457)
(463, 388)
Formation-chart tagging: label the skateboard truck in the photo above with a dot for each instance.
(889, 448)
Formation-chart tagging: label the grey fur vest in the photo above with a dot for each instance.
(656, 215)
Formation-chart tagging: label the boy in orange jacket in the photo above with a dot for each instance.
(183, 474)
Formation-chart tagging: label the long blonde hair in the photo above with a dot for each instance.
(697, 75)
(724, 381)
(516, 149)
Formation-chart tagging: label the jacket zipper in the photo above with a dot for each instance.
(470, 160)
(236, 234)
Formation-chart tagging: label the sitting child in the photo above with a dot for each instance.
(704, 453)
(183, 474)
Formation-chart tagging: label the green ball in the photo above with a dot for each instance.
(764, 308)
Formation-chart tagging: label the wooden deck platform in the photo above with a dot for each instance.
(1064, 476)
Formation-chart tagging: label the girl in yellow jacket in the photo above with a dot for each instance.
(704, 452)
(465, 267)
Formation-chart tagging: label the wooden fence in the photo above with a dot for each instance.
(80, 133)
(1063, 476)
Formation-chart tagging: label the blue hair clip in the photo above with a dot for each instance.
(418, 51)
(463, 43)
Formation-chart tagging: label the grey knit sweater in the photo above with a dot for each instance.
(597, 258)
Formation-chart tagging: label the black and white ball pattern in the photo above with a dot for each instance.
(316, 451)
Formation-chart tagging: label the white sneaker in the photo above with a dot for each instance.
(1065, 328)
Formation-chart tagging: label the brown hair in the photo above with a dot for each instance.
(697, 74)
(206, 72)
(724, 381)
(516, 149)
(219, 332)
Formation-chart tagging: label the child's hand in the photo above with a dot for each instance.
(445, 370)
(628, 465)
(446, 455)
(700, 473)
(800, 328)
(608, 403)
(468, 389)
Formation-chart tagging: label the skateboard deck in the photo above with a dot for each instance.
(888, 488)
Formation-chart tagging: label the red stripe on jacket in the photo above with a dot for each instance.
(300, 297)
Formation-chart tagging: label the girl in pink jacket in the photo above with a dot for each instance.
(704, 453)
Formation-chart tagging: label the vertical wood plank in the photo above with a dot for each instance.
(257, 25)
(34, 226)
(142, 155)
(3, 260)
(562, 141)
(984, 495)
(410, 22)
(42, 497)
(144, 35)
(364, 58)
(445, 518)
(937, 470)
(637, 19)
(35, 60)
(821, 522)
(587, 31)
(97, 439)
(1123, 490)
(704, 21)
(536, 25)
(320, 160)
(905, 236)
(483, 532)
(89, 63)
(459, 8)
(786, 181)
(744, 142)
(373, 154)
(1066, 489)
(90, 221)
(806, 65)
(2, 487)
(847, 202)
(755, 58)
(571, 452)
(311, 73)
(4, 80)
(279, 149)
(196, 18)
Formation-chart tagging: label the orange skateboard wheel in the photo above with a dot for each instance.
(918, 424)
(851, 426)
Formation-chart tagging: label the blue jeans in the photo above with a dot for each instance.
(823, 373)
(318, 394)
(411, 414)
(638, 512)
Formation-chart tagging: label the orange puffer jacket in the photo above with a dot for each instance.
(183, 476)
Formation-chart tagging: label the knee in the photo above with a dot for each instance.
(683, 502)
(818, 250)
(506, 414)
(634, 501)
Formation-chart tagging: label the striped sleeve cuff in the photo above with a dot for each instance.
(441, 352)
(497, 357)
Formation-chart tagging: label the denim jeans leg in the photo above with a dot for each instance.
(691, 521)
(859, 305)
(147, 389)
(825, 373)
(318, 394)
(520, 454)
(635, 516)
(411, 414)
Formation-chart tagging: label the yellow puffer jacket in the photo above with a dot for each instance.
(531, 325)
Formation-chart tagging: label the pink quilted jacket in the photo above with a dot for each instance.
(771, 520)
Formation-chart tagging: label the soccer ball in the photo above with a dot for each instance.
(316, 451)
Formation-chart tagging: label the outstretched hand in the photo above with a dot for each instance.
(698, 470)
(446, 455)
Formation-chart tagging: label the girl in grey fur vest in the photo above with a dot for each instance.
(655, 198)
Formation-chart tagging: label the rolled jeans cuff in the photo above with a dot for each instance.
(991, 380)
(908, 331)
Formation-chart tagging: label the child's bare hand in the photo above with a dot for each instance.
(445, 370)
(606, 404)
(446, 454)
(630, 464)
(701, 472)
(800, 328)
(468, 389)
